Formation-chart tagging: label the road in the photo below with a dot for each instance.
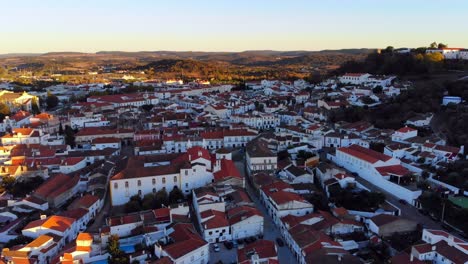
(99, 220)
(270, 231)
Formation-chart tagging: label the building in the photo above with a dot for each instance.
(354, 78)
(186, 171)
(63, 227)
(404, 133)
(259, 157)
(245, 221)
(440, 247)
(260, 251)
(385, 225)
(280, 200)
(379, 169)
(17, 101)
(183, 245)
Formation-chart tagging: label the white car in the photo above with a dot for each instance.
(216, 248)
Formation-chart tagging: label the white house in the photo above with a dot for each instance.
(186, 247)
(245, 221)
(377, 168)
(280, 200)
(404, 133)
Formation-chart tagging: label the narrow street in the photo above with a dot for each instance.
(270, 231)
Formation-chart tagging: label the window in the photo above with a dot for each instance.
(210, 233)
(139, 183)
(164, 180)
(186, 184)
(186, 172)
(139, 192)
(126, 184)
(154, 181)
(154, 190)
(175, 178)
(116, 185)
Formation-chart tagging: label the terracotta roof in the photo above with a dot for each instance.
(263, 248)
(362, 153)
(228, 169)
(55, 222)
(186, 239)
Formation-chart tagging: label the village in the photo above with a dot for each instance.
(174, 172)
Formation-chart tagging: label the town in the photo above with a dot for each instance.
(174, 171)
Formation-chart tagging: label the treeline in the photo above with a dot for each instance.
(390, 62)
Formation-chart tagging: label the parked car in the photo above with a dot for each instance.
(404, 202)
(280, 242)
(216, 248)
(228, 244)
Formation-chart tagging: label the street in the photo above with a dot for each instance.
(270, 231)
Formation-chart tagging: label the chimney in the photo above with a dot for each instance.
(43, 216)
(433, 248)
(411, 258)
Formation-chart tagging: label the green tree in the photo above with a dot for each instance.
(35, 106)
(60, 129)
(117, 255)
(389, 49)
(149, 202)
(147, 107)
(377, 90)
(442, 46)
(4, 111)
(8, 182)
(175, 195)
(51, 100)
(161, 198)
(70, 136)
(433, 45)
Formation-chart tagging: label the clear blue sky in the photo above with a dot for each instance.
(228, 25)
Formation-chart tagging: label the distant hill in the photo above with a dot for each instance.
(197, 64)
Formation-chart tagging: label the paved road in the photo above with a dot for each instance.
(270, 231)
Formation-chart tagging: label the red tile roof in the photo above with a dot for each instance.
(362, 153)
(186, 239)
(228, 169)
(263, 248)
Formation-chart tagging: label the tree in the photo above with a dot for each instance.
(175, 195)
(433, 45)
(4, 110)
(161, 198)
(434, 57)
(70, 136)
(8, 182)
(389, 49)
(35, 106)
(51, 100)
(377, 90)
(60, 129)
(147, 107)
(113, 247)
(149, 202)
(442, 46)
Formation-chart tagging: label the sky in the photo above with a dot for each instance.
(36, 26)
